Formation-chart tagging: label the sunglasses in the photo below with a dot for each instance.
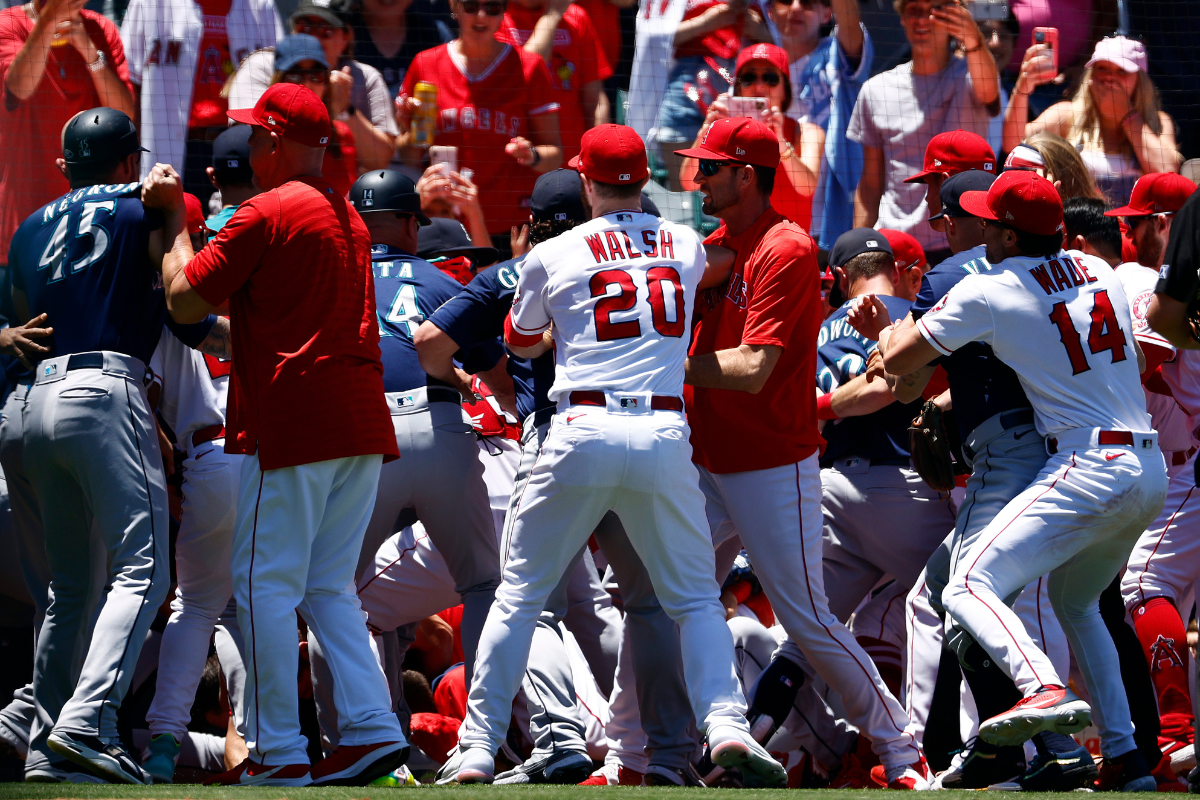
(710, 167)
(771, 79)
(492, 8)
(315, 75)
(321, 30)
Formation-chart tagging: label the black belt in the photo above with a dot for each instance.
(543, 415)
(96, 361)
(442, 394)
(1008, 421)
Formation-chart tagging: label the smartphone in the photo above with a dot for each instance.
(988, 10)
(752, 107)
(445, 155)
(1048, 37)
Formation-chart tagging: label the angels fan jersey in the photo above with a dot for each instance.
(1063, 325)
(619, 291)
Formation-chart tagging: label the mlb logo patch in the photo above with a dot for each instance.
(51, 369)
(405, 401)
(324, 140)
(231, 163)
(368, 198)
(624, 217)
(629, 402)
(872, 243)
(989, 167)
(624, 176)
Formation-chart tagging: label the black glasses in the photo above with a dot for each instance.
(321, 30)
(315, 75)
(491, 8)
(710, 167)
(771, 79)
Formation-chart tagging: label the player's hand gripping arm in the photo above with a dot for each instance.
(435, 351)
(870, 317)
(163, 188)
(905, 351)
(864, 394)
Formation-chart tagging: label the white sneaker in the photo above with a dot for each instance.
(477, 766)
(732, 747)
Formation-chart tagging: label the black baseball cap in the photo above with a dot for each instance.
(98, 136)
(556, 197)
(387, 190)
(231, 155)
(448, 238)
(857, 241)
(291, 50)
(951, 191)
(334, 12)
(648, 206)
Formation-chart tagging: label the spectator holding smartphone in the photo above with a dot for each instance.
(762, 71)
(497, 105)
(56, 59)
(900, 110)
(448, 193)
(826, 75)
(1114, 119)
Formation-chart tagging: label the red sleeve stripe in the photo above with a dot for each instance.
(929, 337)
(512, 336)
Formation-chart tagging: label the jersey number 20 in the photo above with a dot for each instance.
(55, 254)
(1104, 334)
(607, 330)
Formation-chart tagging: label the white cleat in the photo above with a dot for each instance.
(732, 747)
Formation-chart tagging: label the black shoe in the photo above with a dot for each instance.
(985, 764)
(672, 776)
(98, 757)
(1125, 773)
(565, 767)
(1055, 772)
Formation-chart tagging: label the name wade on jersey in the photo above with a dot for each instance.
(1064, 273)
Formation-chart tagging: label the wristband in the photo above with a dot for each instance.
(100, 63)
(825, 407)
(537, 157)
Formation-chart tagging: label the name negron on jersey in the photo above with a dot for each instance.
(64, 202)
(664, 245)
(1058, 278)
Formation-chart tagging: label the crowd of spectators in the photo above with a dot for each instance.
(517, 82)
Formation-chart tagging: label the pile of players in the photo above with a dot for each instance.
(638, 401)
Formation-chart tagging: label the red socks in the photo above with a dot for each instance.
(1164, 643)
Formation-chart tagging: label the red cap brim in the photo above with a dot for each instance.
(975, 204)
(1128, 211)
(243, 115)
(573, 164)
(701, 152)
(920, 176)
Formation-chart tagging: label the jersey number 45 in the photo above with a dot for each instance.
(54, 256)
(665, 289)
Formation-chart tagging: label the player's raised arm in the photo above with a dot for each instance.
(163, 188)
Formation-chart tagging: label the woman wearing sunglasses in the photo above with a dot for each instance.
(762, 71)
(497, 105)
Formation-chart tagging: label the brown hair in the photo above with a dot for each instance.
(1064, 164)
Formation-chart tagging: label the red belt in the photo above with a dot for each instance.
(1102, 438)
(659, 402)
(207, 434)
(1180, 457)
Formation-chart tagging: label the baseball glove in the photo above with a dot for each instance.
(932, 446)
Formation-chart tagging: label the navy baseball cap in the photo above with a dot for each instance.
(857, 241)
(556, 197)
(448, 238)
(648, 206)
(231, 155)
(291, 50)
(973, 180)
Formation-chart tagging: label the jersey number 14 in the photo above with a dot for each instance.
(1104, 334)
(54, 256)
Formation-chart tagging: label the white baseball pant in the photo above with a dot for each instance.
(777, 515)
(636, 462)
(1165, 561)
(1077, 521)
(295, 548)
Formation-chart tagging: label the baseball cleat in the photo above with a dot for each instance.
(730, 747)
(913, 777)
(58, 774)
(1064, 770)
(1052, 708)
(161, 756)
(563, 767)
(1125, 773)
(982, 765)
(99, 757)
(248, 773)
(614, 775)
(477, 766)
(657, 775)
(358, 765)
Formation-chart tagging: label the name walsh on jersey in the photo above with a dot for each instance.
(607, 247)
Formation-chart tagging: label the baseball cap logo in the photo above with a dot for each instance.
(324, 140)
(872, 243)
(231, 163)
(937, 162)
(737, 151)
(624, 176)
(1008, 215)
(271, 120)
(368, 198)
(989, 166)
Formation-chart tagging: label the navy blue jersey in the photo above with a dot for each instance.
(83, 261)
(407, 291)
(981, 385)
(842, 354)
(477, 314)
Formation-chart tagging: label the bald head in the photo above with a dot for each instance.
(277, 160)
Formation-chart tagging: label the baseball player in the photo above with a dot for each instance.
(89, 441)
(473, 316)
(305, 500)
(752, 364)
(1163, 565)
(617, 294)
(1103, 482)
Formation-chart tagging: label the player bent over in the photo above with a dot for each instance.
(1062, 322)
(618, 292)
(295, 265)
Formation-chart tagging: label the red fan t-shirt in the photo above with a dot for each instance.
(480, 114)
(31, 129)
(576, 59)
(773, 297)
(295, 265)
(722, 43)
(606, 19)
(214, 65)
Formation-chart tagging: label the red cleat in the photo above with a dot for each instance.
(1053, 708)
(248, 773)
(358, 765)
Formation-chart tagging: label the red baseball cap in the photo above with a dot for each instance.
(195, 215)
(1155, 193)
(772, 54)
(612, 154)
(291, 110)
(739, 139)
(1019, 199)
(953, 152)
(906, 249)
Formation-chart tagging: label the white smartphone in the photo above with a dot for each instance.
(752, 107)
(447, 156)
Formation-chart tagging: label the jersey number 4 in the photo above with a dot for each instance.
(54, 256)
(659, 281)
(1104, 334)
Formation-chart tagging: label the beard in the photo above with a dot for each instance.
(587, 207)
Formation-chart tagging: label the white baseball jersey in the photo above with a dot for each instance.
(1139, 285)
(635, 276)
(194, 387)
(1183, 376)
(1063, 325)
